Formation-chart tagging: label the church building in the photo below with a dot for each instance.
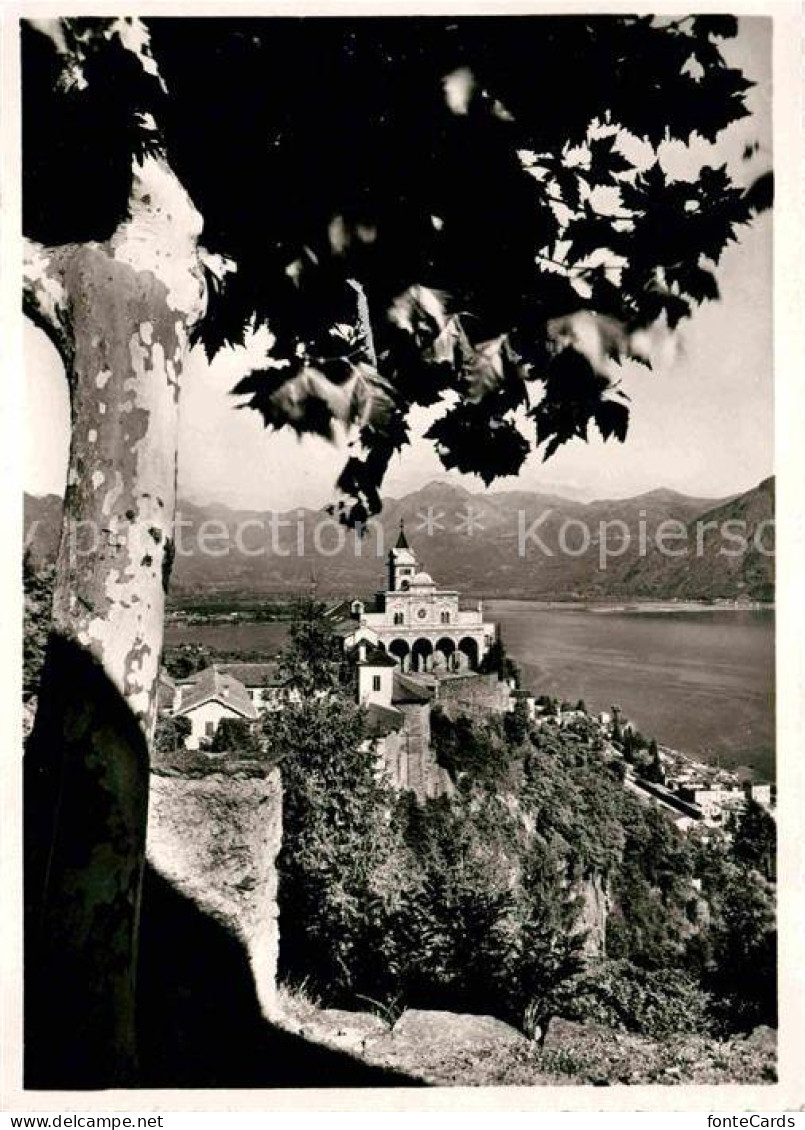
(423, 627)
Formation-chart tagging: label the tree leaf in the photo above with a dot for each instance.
(612, 418)
(460, 433)
(760, 194)
(719, 27)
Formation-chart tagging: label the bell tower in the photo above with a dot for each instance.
(401, 562)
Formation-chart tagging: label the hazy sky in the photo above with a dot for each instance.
(702, 423)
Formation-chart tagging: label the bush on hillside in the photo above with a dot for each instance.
(620, 994)
(171, 732)
(234, 734)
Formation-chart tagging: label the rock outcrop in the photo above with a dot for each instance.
(457, 1030)
(215, 839)
(594, 913)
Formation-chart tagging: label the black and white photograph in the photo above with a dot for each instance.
(396, 682)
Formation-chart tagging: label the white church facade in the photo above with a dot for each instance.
(423, 627)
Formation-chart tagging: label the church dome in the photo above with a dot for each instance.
(422, 579)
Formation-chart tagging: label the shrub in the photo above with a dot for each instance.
(171, 733)
(620, 994)
(234, 734)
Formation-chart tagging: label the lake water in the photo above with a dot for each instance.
(702, 682)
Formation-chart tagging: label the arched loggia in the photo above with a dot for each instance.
(402, 653)
(468, 654)
(422, 655)
(444, 654)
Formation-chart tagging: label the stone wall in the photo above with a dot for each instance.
(474, 695)
(424, 776)
(214, 839)
(408, 758)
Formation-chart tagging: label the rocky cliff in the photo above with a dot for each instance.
(593, 914)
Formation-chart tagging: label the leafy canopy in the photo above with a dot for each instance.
(438, 210)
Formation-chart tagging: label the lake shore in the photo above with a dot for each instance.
(245, 610)
(680, 606)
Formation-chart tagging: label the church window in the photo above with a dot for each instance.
(404, 585)
(375, 682)
(398, 617)
(445, 617)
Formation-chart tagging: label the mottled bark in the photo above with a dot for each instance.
(120, 312)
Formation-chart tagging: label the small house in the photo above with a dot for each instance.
(212, 696)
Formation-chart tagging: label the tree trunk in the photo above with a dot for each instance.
(120, 312)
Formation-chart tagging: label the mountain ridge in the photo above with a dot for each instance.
(517, 543)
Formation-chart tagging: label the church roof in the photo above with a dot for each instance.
(374, 656)
(402, 540)
(402, 556)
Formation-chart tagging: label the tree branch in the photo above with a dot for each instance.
(44, 299)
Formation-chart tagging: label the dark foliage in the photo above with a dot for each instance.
(395, 195)
(186, 659)
(83, 119)
(38, 593)
(516, 724)
(234, 734)
(755, 843)
(313, 656)
(497, 661)
(620, 994)
(170, 733)
(737, 955)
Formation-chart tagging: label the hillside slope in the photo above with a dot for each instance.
(719, 564)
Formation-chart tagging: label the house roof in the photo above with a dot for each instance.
(409, 690)
(256, 674)
(382, 720)
(214, 686)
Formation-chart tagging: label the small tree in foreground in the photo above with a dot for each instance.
(755, 840)
(171, 733)
(497, 661)
(234, 734)
(313, 656)
(335, 862)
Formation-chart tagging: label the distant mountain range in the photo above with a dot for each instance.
(492, 543)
